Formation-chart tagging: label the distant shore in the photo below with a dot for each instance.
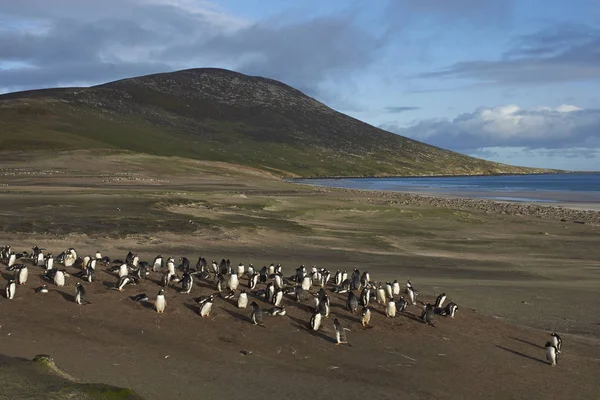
(575, 212)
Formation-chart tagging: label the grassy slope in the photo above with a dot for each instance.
(222, 116)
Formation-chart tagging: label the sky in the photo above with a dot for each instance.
(514, 81)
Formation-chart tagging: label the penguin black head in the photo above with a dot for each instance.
(161, 291)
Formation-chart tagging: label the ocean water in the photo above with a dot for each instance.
(571, 188)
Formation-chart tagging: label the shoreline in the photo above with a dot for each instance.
(559, 211)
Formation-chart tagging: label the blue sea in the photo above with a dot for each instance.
(550, 188)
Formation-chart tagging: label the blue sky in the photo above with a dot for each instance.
(512, 81)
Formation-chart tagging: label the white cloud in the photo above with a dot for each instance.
(564, 126)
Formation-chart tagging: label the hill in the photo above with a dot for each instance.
(220, 115)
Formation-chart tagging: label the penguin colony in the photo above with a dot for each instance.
(361, 291)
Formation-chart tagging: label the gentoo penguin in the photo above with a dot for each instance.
(278, 279)
(92, 264)
(160, 304)
(389, 291)
(344, 276)
(395, 288)
(263, 274)
(142, 271)
(142, 297)
(90, 273)
(206, 306)
(171, 265)
(185, 264)
(277, 297)
(186, 283)
(439, 301)
(21, 274)
(325, 276)
(301, 294)
(450, 309)
(40, 261)
(390, 309)
(86, 261)
(166, 279)
(274, 311)
(278, 269)
(10, 289)
(340, 332)
(337, 279)
(352, 302)
(556, 341)
(412, 295)
(323, 308)
(241, 269)
(551, 354)
(365, 278)
(124, 280)
(306, 282)
(315, 320)
(42, 289)
(157, 264)
(355, 281)
(49, 262)
(253, 280)
(365, 296)
(12, 259)
(98, 255)
(269, 292)
(427, 315)
(271, 269)
(256, 315)
(380, 294)
(123, 270)
(365, 316)
(250, 271)
(79, 293)
(242, 300)
(316, 276)
(59, 278)
(70, 257)
(401, 304)
(129, 258)
(233, 282)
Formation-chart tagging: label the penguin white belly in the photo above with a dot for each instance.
(123, 270)
(78, 298)
(316, 322)
(243, 300)
(278, 299)
(23, 275)
(59, 279)
(396, 289)
(240, 270)
(233, 282)
(11, 260)
(157, 265)
(69, 260)
(49, 264)
(306, 283)
(10, 290)
(93, 264)
(381, 296)
(411, 296)
(205, 310)
(98, 255)
(171, 267)
(40, 260)
(390, 310)
(86, 261)
(160, 304)
(551, 355)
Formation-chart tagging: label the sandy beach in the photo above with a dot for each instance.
(517, 272)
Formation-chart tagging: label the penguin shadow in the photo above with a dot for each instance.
(521, 354)
(304, 326)
(300, 306)
(8, 275)
(108, 284)
(205, 284)
(526, 342)
(155, 281)
(238, 315)
(65, 295)
(192, 307)
(349, 318)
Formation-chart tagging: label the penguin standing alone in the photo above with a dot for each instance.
(551, 354)
(390, 309)
(242, 300)
(206, 306)
(160, 304)
(427, 315)
(79, 293)
(21, 274)
(59, 278)
(365, 316)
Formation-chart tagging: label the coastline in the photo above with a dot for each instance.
(575, 212)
